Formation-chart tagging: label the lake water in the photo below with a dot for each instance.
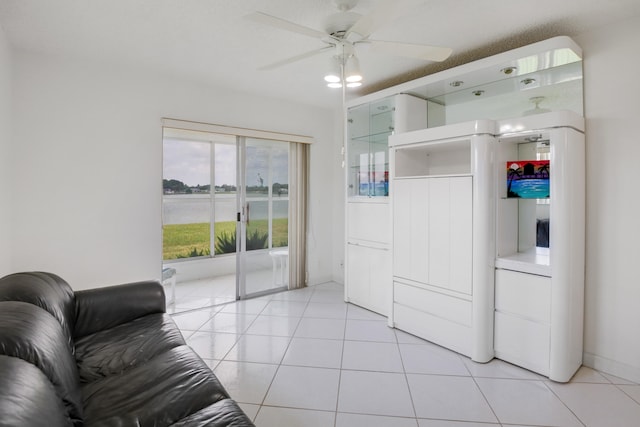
(192, 208)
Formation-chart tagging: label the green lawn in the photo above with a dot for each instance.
(187, 240)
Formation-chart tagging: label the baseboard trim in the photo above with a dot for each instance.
(611, 367)
(319, 280)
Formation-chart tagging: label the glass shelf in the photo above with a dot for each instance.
(376, 138)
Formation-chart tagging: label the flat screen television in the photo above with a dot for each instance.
(528, 179)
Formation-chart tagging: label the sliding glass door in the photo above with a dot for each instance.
(226, 211)
(263, 206)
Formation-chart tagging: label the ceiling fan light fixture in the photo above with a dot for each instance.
(332, 78)
(334, 85)
(352, 72)
(354, 84)
(333, 72)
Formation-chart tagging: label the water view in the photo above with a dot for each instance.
(194, 208)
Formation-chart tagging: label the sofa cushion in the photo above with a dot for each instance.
(114, 350)
(160, 392)
(107, 307)
(27, 397)
(30, 333)
(225, 412)
(46, 290)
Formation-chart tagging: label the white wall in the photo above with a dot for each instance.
(5, 161)
(612, 110)
(87, 149)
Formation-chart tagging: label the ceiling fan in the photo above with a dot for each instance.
(345, 30)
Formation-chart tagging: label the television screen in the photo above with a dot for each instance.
(528, 179)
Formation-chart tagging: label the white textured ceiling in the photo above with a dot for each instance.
(211, 41)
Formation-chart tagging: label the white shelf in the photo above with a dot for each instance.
(431, 159)
(533, 261)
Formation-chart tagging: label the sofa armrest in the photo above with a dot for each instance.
(103, 308)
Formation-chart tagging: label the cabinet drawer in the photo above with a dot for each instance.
(440, 331)
(525, 295)
(522, 342)
(444, 306)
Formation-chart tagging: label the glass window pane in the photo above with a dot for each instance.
(258, 225)
(225, 198)
(257, 181)
(280, 223)
(257, 172)
(186, 199)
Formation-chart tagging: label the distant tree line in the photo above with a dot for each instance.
(170, 186)
(174, 186)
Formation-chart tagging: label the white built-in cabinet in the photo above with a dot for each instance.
(368, 243)
(477, 271)
(432, 239)
(539, 291)
(442, 214)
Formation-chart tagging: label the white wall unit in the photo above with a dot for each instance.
(368, 249)
(499, 225)
(540, 291)
(442, 228)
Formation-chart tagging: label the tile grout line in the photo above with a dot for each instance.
(279, 365)
(344, 335)
(563, 402)
(406, 378)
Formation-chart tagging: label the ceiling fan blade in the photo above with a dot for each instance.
(386, 12)
(420, 51)
(283, 24)
(295, 58)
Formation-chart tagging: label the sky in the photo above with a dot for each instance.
(188, 161)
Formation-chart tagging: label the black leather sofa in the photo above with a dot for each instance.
(101, 357)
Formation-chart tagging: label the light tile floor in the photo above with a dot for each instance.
(306, 358)
(195, 294)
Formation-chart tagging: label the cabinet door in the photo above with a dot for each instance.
(461, 253)
(410, 229)
(450, 207)
(369, 278)
(381, 281)
(368, 222)
(358, 121)
(358, 274)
